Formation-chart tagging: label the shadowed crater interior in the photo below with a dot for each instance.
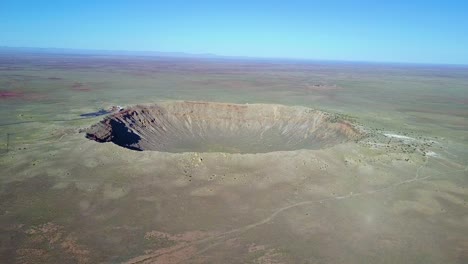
(220, 127)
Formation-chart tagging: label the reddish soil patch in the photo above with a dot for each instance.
(461, 101)
(19, 95)
(445, 99)
(183, 249)
(11, 94)
(57, 242)
(81, 87)
(319, 87)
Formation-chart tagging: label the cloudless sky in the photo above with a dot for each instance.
(397, 31)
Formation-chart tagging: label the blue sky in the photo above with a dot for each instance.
(395, 31)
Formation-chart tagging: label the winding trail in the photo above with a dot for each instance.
(217, 239)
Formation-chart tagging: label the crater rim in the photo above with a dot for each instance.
(200, 126)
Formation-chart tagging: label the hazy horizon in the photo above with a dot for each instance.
(417, 32)
(188, 55)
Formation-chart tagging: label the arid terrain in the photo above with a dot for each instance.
(231, 161)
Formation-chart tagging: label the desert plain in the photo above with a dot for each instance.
(231, 161)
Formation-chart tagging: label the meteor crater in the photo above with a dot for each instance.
(222, 127)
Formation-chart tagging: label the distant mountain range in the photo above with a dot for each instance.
(4, 49)
(91, 52)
